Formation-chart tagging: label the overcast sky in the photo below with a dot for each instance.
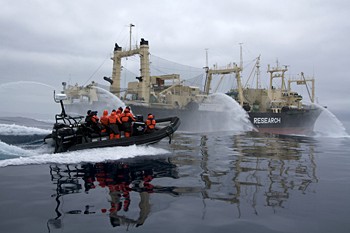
(64, 40)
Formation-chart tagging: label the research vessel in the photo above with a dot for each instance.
(276, 109)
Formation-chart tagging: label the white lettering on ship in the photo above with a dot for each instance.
(267, 120)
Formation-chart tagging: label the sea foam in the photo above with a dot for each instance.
(13, 129)
(74, 157)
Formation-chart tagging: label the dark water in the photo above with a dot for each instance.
(209, 182)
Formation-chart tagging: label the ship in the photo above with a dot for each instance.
(273, 110)
(276, 109)
(161, 95)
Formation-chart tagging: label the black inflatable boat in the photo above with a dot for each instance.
(70, 133)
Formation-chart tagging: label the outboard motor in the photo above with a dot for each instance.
(64, 136)
(139, 126)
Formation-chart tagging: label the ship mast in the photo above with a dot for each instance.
(130, 25)
(258, 73)
(277, 72)
(206, 87)
(145, 78)
(229, 70)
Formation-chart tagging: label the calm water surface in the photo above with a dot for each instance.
(242, 182)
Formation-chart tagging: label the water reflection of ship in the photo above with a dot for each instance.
(269, 168)
(120, 179)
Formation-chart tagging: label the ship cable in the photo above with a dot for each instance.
(96, 70)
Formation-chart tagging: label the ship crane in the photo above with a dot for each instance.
(304, 82)
(231, 69)
(143, 51)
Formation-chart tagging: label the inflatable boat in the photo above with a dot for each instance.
(71, 133)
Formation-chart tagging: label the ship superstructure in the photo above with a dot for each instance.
(162, 91)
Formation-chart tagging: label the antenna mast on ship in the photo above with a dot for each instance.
(240, 56)
(258, 73)
(130, 25)
(206, 70)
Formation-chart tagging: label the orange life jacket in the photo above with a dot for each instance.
(126, 116)
(150, 122)
(114, 119)
(104, 119)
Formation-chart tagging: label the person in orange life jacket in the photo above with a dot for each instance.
(113, 125)
(150, 123)
(119, 123)
(119, 112)
(104, 121)
(126, 118)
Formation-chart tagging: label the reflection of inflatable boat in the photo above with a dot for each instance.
(71, 133)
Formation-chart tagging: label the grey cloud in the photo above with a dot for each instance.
(52, 41)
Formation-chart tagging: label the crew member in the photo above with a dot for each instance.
(150, 123)
(92, 121)
(127, 118)
(104, 121)
(119, 111)
(113, 125)
(94, 117)
(88, 120)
